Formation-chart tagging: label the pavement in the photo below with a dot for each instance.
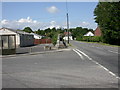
(80, 66)
(32, 49)
(38, 49)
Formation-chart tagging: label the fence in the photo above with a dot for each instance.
(42, 41)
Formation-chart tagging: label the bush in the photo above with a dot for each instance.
(90, 38)
(54, 39)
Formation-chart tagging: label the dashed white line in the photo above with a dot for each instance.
(78, 54)
(98, 64)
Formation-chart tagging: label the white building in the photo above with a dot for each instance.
(21, 38)
(89, 34)
(36, 36)
(66, 36)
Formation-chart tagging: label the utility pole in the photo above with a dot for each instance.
(68, 26)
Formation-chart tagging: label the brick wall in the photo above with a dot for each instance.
(97, 32)
(42, 41)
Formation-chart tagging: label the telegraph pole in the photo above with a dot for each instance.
(68, 26)
(67, 20)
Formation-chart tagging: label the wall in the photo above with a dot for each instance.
(66, 38)
(97, 32)
(42, 41)
(26, 40)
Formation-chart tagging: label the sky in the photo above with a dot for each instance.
(42, 15)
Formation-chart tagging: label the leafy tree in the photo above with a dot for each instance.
(40, 32)
(108, 18)
(79, 31)
(27, 29)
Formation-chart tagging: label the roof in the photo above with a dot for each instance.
(89, 34)
(35, 34)
(66, 33)
(16, 31)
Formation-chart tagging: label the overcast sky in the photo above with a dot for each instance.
(18, 15)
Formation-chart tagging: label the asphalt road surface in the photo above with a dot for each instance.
(105, 55)
(84, 66)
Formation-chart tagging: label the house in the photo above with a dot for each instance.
(21, 38)
(66, 36)
(97, 32)
(38, 39)
(36, 36)
(89, 34)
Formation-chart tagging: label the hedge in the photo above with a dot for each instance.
(90, 38)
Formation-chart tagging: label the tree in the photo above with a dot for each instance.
(108, 17)
(40, 32)
(27, 29)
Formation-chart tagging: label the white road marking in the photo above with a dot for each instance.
(78, 54)
(84, 54)
(99, 64)
(113, 52)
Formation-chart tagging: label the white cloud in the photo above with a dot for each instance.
(4, 21)
(34, 24)
(85, 24)
(88, 25)
(21, 23)
(52, 9)
(52, 24)
(28, 22)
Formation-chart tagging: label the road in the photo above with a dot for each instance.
(105, 55)
(84, 66)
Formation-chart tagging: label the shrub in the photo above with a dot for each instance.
(90, 38)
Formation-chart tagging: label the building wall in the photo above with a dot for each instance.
(26, 40)
(98, 32)
(17, 40)
(8, 32)
(66, 38)
(21, 39)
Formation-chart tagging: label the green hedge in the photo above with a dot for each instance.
(90, 38)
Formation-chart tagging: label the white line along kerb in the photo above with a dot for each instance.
(98, 64)
(78, 54)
